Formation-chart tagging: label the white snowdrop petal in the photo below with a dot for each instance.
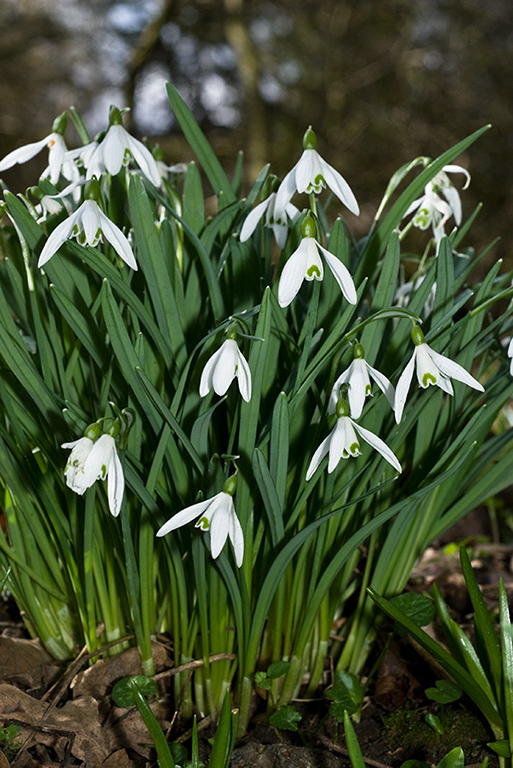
(292, 276)
(340, 187)
(185, 516)
(454, 370)
(115, 484)
(252, 219)
(379, 445)
(401, 390)
(118, 240)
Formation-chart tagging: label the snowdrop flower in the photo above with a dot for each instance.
(58, 161)
(432, 368)
(510, 355)
(225, 365)
(357, 379)
(216, 515)
(342, 443)
(278, 224)
(89, 225)
(432, 209)
(116, 149)
(312, 174)
(95, 458)
(306, 264)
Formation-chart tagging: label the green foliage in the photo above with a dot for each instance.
(286, 717)
(87, 341)
(483, 672)
(9, 744)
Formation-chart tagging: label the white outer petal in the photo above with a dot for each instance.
(307, 168)
(358, 383)
(510, 348)
(111, 151)
(243, 376)
(90, 221)
(338, 443)
(383, 383)
(185, 516)
(284, 193)
(454, 370)
(144, 159)
(252, 219)
(342, 276)
(224, 371)
(378, 444)
(220, 523)
(60, 234)
(237, 538)
(318, 456)
(99, 457)
(22, 154)
(458, 169)
(334, 395)
(403, 385)
(208, 373)
(292, 275)
(56, 156)
(117, 239)
(452, 196)
(340, 187)
(115, 483)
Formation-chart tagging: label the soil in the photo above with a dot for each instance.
(66, 716)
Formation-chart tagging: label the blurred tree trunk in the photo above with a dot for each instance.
(255, 122)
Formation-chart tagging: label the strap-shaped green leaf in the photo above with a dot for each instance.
(199, 144)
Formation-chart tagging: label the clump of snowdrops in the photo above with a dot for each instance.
(225, 428)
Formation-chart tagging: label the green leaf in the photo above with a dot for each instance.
(500, 747)
(286, 717)
(193, 204)
(434, 722)
(419, 608)
(123, 691)
(444, 693)
(353, 747)
(453, 759)
(199, 144)
(278, 668)
(463, 678)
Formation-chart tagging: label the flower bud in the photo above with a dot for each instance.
(59, 124)
(115, 117)
(342, 407)
(417, 336)
(93, 431)
(309, 139)
(358, 352)
(308, 228)
(230, 485)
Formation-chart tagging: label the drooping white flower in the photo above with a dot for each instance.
(58, 161)
(357, 379)
(306, 264)
(510, 355)
(116, 149)
(92, 460)
(225, 365)
(89, 225)
(342, 442)
(432, 368)
(279, 225)
(432, 209)
(312, 174)
(216, 515)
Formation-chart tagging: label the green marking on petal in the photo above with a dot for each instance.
(103, 471)
(314, 270)
(355, 448)
(203, 524)
(428, 379)
(368, 389)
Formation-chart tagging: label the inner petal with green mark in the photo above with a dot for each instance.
(314, 271)
(203, 523)
(428, 379)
